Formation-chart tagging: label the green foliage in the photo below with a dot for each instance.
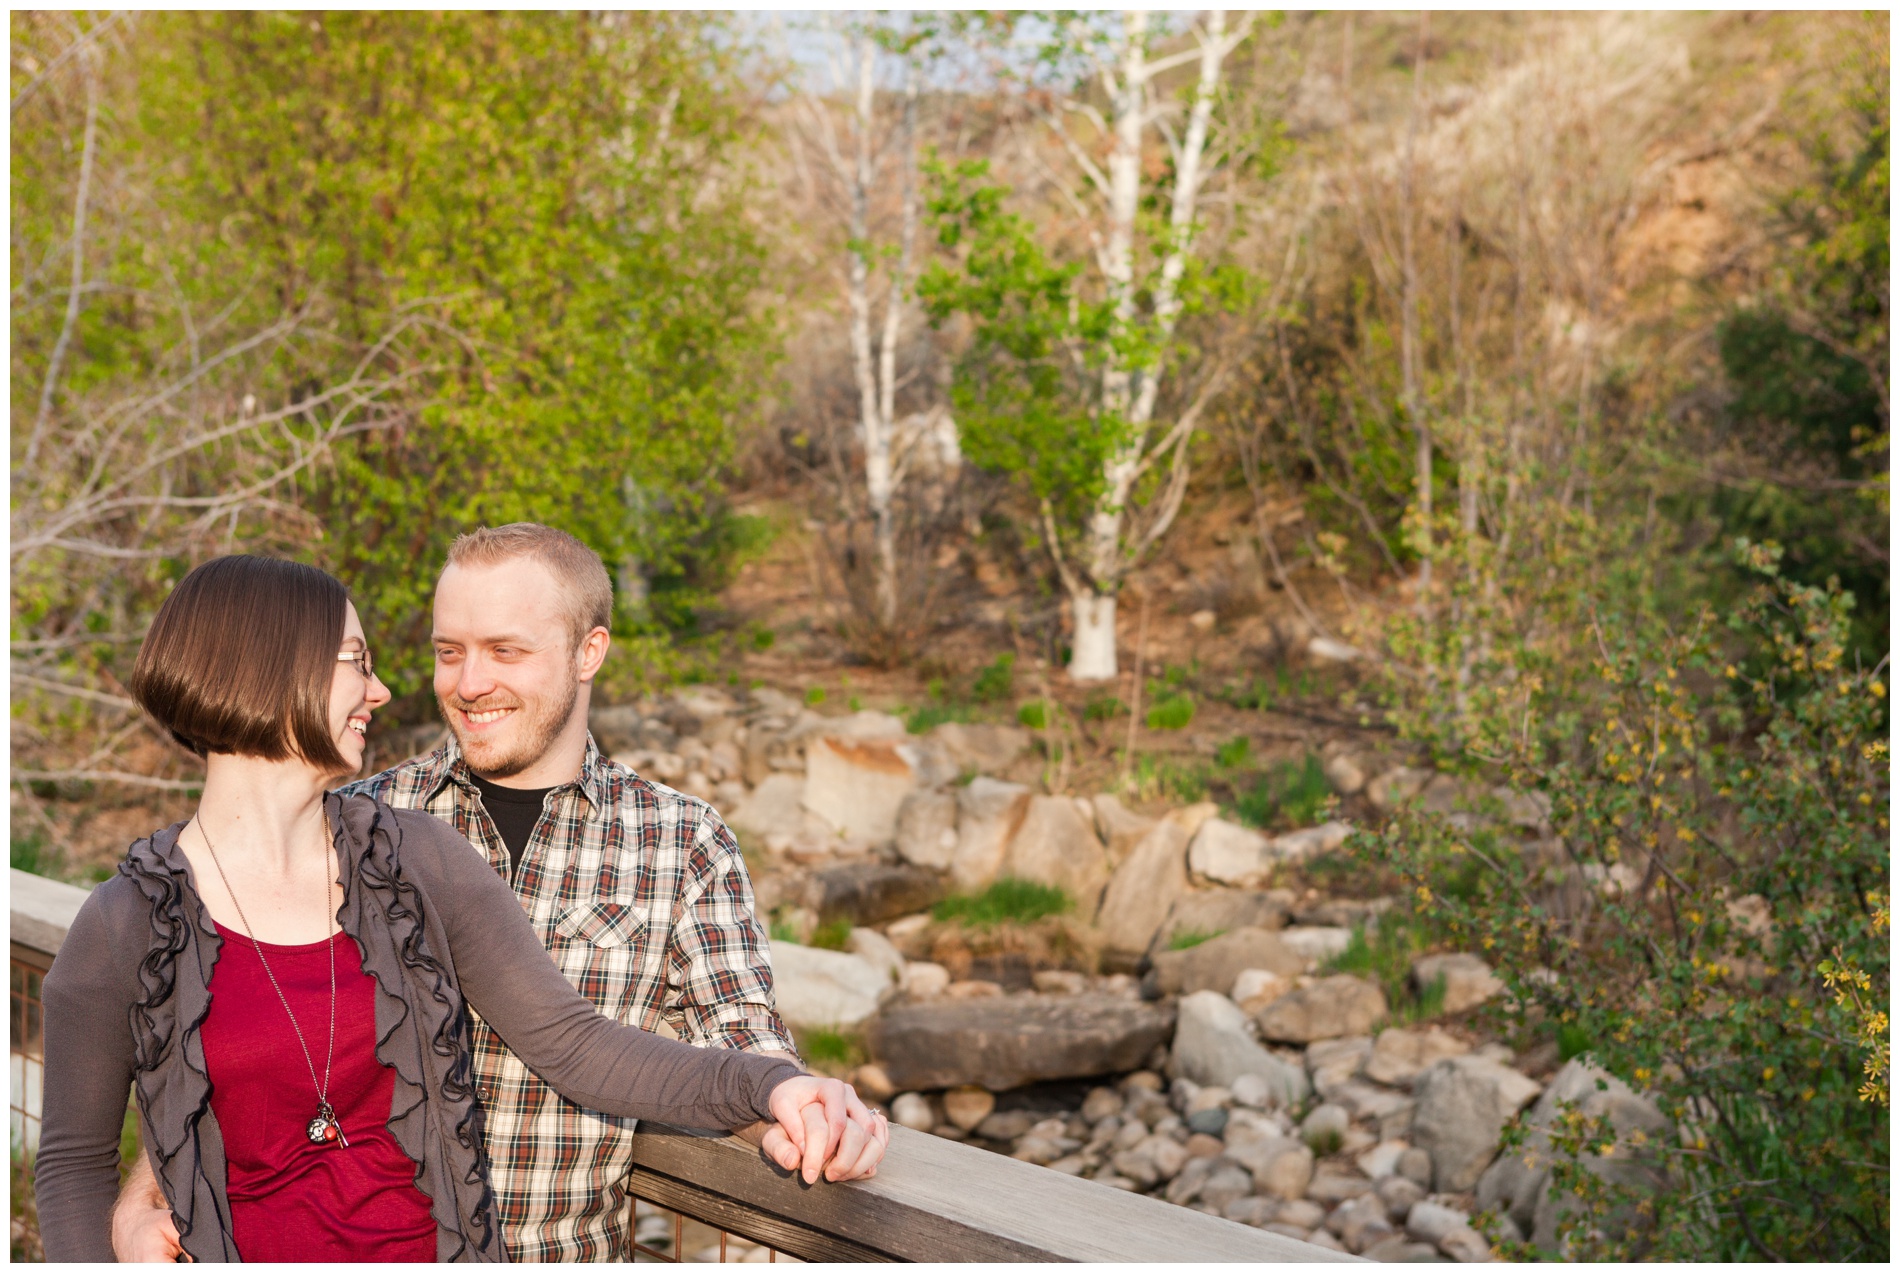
(1101, 707)
(814, 696)
(28, 853)
(1007, 901)
(782, 929)
(1170, 778)
(1259, 694)
(1189, 938)
(1175, 711)
(928, 716)
(1384, 955)
(1723, 835)
(502, 218)
(1233, 753)
(1290, 794)
(830, 1051)
(832, 936)
(996, 682)
(1034, 714)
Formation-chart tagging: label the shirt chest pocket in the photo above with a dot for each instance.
(604, 925)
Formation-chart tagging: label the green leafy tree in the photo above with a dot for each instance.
(1062, 384)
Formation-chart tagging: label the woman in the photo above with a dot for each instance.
(281, 979)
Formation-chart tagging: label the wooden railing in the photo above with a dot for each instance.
(932, 1199)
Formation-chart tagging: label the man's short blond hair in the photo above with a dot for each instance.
(587, 592)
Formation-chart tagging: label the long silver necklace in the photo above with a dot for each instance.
(324, 1128)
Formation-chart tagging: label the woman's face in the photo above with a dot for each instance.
(353, 696)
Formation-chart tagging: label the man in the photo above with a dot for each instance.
(638, 891)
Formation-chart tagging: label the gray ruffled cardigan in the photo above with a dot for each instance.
(127, 997)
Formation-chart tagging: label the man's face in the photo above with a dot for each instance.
(506, 673)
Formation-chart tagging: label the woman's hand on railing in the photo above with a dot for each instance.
(823, 1128)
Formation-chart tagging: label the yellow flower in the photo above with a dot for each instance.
(1877, 689)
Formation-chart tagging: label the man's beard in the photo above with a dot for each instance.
(536, 728)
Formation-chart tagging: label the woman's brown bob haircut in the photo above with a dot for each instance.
(241, 658)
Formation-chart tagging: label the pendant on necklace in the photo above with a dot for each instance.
(324, 1129)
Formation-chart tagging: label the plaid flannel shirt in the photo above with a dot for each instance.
(640, 894)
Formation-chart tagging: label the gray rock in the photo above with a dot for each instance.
(988, 749)
(915, 1111)
(827, 989)
(1281, 1169)
(1316, 943)
(857, 783)
(1434, 1221)
(1298, 846)
(1017, 1039)
(1343, 912)
(1463, 1105)
(1399, 1195)
(773, 808)
(1121, 830)
(1517, 1185)
(1395, 786)
(1299, 1233)
(1055, 845)
(1360, 1223)
(1327, 1009)
(1345, 775)
(1143, 889)
(1215, 963)
(1005, 1124)
(1308, 1215)
(1186, 1187)
(1332, 1062)
(1467, 1246)
(1468, 980)
(927, 829)
(1101, 1103)
(1330, 1187)
(1325, 1123)
(875, 948)
(1212, 1045)
(1210, 1121)
(988, 813)
(1399, 1250)
(1225, 853)
(1400, 1056)
(1222, 911)
(871, 892)
(1415, 1165)
(1227, 1185)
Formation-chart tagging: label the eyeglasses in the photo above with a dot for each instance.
(362, 661)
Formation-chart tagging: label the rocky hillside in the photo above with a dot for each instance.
(1157, 998)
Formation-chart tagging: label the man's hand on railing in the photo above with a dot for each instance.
(823, 1128)
(143, 1231)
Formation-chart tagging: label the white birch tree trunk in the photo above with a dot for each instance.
(1129, 393)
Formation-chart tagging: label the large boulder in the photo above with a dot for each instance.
(1400, 1056)
(826, 989)
(987, 749)
(1120, 829)
(1216, 963)
(1463, 1104)
(871, 892)
(1224, 853)
(988, 813)
(1006, 1042)
(1309, 842)
(1222, 910)
(1328, 1009)
(1055, 844)
(927, 829)
(1143, 889)
(1213, 1047)
(1517, 1184)
(858, 784)
(1468, 980)
(774, 807)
